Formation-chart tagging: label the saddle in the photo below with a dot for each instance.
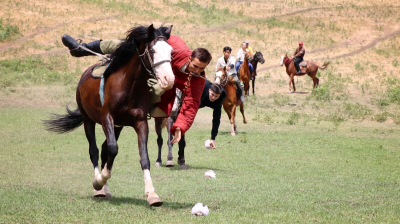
(303, 66)
(99, 69)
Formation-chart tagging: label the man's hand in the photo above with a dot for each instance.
(177, 136)
(212, 143)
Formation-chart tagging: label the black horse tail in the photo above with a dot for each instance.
(64, 123)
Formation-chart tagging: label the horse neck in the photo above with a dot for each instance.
(245, 63)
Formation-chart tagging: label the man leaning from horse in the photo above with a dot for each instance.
(188, 67)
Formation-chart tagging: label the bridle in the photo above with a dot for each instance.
(147, 53)
(224, 81)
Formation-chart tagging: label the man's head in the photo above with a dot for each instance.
(214, 92)
(244, 46)
(247, 43)
(300, 43)
(199, 60)
(227, 52)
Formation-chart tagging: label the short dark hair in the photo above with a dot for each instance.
(202, 54)
(216, 88)
(227, 48)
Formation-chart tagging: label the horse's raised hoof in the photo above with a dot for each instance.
(183, 167)
(170, 163)
(103, 193)
(96, 185)
(154, 200)
(158, 164)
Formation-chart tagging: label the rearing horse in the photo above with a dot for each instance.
(126, 101)
(244, 73)
(231, 101)
(311, 70)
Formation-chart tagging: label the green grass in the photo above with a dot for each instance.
(34, 70)
(266, 174)
(8, 31)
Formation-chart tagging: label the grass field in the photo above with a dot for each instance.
(328, 155)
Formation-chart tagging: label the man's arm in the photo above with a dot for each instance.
(190, 105)
(216, 121)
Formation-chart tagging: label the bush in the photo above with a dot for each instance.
(7, 31)
(293, 118)
(394, 94)
(322, 94)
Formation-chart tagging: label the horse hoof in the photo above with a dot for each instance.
(233, 134)
(183, 167)
(244, 121)
(154, 200)
(169, 163)
(103, 193)
(158, 164)
(96, 185)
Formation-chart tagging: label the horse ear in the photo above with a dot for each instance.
(150, 30)
(168, 31)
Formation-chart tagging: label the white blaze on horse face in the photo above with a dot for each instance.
(281, 60)
(164, 72)
(218, 76)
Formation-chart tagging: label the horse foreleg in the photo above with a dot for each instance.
(232, 119)
(170, 162)
(181, 153)
(252, 84)
(158, 125)
(142, 130)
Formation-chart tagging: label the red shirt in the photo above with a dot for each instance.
(190, 105)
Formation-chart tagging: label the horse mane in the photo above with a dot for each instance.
(128, 48)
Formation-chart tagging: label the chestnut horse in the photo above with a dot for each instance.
(244, 73)
(231, 101)
(126, 102)
(311, 70)
(258, 57)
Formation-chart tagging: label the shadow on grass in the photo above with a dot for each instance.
(229, 133)
(115, 200)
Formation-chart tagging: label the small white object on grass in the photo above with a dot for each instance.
(210, 173)
(207, 144)
(200, 210)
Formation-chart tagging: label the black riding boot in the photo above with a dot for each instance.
(240, 90)
(76, 51)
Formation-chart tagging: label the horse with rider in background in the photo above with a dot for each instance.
(257, 57)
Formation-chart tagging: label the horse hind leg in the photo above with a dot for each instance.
(105, 192)
(242, 111)
(181, 153)
(158, 125)
(170, 162)
(232, 119)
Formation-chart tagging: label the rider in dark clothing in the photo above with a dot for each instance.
(298, 56)
(216, 105)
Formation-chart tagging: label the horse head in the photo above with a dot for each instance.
(258, 56)
(220, 75)
(248, 55)
(283, 58)
(160, 56)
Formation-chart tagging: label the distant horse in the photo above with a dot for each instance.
(231, 101)
(244, 73)
(160, 123)
(258, 57)
(126, 102)
(311, 70)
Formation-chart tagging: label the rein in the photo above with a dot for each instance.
(152, 64)
(287, 61)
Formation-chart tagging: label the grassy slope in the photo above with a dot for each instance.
(335, 168)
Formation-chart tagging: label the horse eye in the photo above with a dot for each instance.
(152, 51)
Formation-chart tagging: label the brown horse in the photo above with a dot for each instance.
(258, 57)
(125, 103)
(231, 101)
(244, 73)
(311, 70)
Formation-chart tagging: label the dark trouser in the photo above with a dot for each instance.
(297, 61)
